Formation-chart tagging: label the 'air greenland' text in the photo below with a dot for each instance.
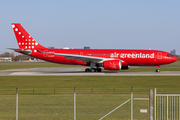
(128, 55)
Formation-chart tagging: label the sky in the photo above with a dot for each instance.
(99, 24)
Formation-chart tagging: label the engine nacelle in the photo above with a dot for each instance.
(115, 65)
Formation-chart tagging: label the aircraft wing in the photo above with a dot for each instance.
(83, 58)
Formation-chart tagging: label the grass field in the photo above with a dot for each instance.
(51, 98)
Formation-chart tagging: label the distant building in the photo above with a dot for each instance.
(32, 59)
(51, 47)
(173, 52)
(5, 59)
(86, 47)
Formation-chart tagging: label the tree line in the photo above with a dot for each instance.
(14, 57)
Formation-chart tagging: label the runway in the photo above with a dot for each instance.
(79, 71)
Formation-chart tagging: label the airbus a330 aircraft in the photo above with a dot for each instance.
(110, 59)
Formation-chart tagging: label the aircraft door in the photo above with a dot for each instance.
(159, 55)
(45, 55)
(81, 53)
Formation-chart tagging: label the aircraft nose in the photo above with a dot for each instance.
(173, 59)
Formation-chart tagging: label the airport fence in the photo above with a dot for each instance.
(58, 103)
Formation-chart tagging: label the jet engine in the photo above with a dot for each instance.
(115, 65)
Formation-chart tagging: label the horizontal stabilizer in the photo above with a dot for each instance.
(23, 51)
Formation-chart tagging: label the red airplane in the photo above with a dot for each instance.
(110, 59)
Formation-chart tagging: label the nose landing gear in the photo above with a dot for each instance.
(158, 69)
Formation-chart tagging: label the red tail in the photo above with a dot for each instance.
(24, 39)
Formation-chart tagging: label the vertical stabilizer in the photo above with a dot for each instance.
(24, 39)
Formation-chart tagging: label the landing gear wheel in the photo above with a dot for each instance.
(87, 70)
(93, 70)
(157, 70)
(99, 69)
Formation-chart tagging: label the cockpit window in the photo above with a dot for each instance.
(169, 55)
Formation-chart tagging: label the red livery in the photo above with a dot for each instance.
(110, 59)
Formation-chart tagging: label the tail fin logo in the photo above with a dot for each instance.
(24, 39)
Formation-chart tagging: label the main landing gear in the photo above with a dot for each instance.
(158, 69)
(92, 69)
